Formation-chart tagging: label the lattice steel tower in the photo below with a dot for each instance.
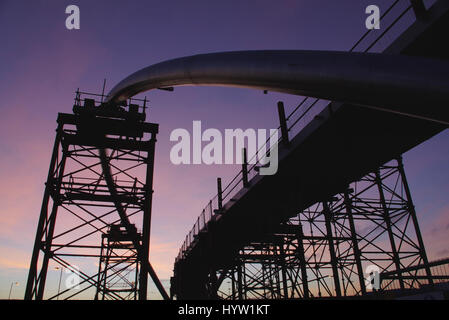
(102, 237)
(326, 250)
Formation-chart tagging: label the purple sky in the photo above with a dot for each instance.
(43, 63)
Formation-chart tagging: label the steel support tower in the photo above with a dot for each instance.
(119, 265)
(329, 249)
(80, 229)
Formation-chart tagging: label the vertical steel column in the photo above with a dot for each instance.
(219, 194)
(244, 282)
(32, 281)
(105, 272)
(302, 262)
(334, 261)
(244, 168)
(355, 245)
(263, 281)
(274, 269)
(100, 274)
(233, 283)
(283, 124)
(386, 217)
(240, 280)
(283, 268)
(146, 227)
(412, 212)
(136, 280)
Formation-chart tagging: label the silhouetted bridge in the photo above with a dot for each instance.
(261, 238)
(338, 207)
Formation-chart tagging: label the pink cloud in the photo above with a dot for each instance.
(13, 259)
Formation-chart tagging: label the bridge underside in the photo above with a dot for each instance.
(341, 146)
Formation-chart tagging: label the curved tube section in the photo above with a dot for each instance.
(393, 82)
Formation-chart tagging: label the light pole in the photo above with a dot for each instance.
(60, 277)
(10, 289)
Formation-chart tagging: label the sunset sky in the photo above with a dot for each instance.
(42, 64)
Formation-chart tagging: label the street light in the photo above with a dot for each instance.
(10, 289)
(60, 277)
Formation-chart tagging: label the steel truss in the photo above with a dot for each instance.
(337, 247)
(118, 262)
(78, 215)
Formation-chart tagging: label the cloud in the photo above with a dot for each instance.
(14, 259)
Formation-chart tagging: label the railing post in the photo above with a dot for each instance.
(244, 168)
(204, 217)
(211, 211)
(219, 194)
(419, 9)
(198, 227)
(283, 123)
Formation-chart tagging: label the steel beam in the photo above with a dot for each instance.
(355, 244)
(330, 242)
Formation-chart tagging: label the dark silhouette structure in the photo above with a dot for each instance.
(338, 208)
(325, 249)
(118, 260)
(107, 251)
